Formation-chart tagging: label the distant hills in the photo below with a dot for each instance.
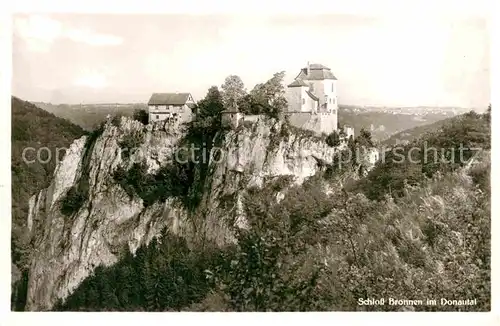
(413, 109)
(408, 135)
(88, 116)
(384, 124)
(75, 94)
(381, 123)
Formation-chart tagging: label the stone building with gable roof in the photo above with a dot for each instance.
(312, 99)
(175, 107)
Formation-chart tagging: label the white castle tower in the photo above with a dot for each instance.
(314, 91)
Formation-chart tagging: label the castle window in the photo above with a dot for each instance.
(332, 87)
(157, 117)
(330, 100)
(303, 101)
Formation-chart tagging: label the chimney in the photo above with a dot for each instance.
(308, 69)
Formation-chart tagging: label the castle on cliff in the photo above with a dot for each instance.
(312, 99)
(314, 90)
(312, 103)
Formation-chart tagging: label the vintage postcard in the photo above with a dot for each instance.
(246, 163)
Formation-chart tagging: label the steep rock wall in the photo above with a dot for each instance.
(68, 248)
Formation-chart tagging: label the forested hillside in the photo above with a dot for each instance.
(438, 150)
(407, 230)
(34, 131)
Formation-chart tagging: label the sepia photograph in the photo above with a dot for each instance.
(250, 163)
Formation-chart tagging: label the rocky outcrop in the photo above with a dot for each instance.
(67, 248)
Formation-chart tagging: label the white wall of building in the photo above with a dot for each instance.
(157, 116)
(153, 108)
(162, 112)
(330, 92)
(326, 92)
(308, 104)
(294, 98)
(349, 131)
(186, 114)
(318, 89)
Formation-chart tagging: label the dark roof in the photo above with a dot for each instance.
(312, 96)
(316, 72)
(169, 98)
(298, 83)
(318, 66)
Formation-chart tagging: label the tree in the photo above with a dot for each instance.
(212, 105)
(142, 116)
(364, 139)
(247, 105)
(233, 90)
(208, 117)
(271, 95)
(333, 139)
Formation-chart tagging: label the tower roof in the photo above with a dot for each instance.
(311, 95)
(317, 66)
(298, 83)
(316, 72)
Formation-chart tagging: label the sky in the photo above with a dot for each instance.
(405, 60)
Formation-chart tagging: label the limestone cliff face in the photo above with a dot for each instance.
(68, 248)
(251, 156)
